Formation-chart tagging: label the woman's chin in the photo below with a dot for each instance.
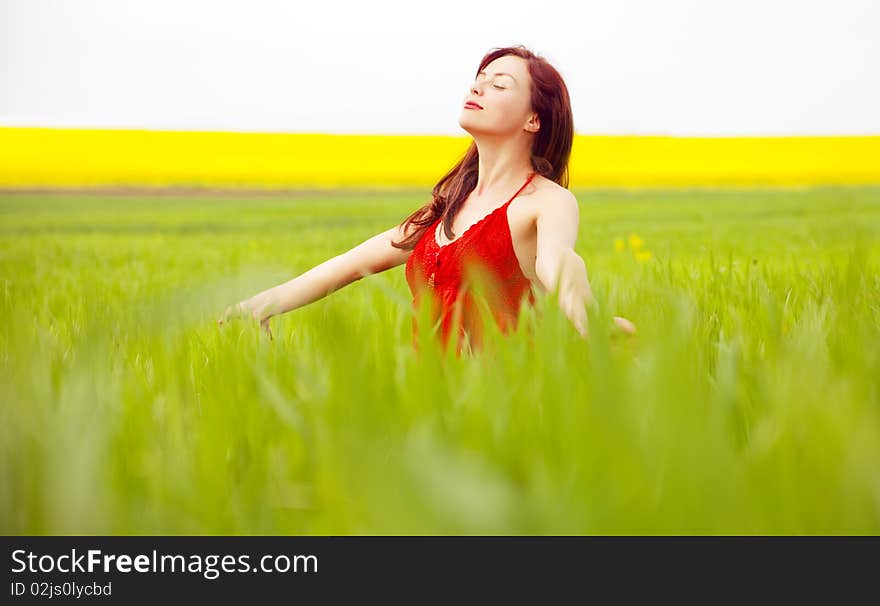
(471, 128)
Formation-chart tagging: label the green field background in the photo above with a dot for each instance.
(748, 402)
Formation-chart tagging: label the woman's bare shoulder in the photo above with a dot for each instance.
(547, 192)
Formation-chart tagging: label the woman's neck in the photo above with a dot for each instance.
(502, 164)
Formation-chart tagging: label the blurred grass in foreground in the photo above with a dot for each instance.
(749, 402)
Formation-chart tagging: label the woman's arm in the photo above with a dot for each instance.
(558, 265)
(373, 255)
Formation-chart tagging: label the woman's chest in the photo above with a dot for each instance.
(504, 241)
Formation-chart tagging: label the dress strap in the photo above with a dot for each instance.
(531, 176)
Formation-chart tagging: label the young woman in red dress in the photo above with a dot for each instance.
(463, 247)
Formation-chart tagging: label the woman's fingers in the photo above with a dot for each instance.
(225, 316)
(231, 313)
(264, 325)
(237, 311)
(625, 325)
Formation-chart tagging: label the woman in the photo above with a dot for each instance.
(463, 248)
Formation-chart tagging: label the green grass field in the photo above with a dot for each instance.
(749, 401)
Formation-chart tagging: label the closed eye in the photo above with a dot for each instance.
(496, 86)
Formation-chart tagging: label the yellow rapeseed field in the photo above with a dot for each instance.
(54, 157)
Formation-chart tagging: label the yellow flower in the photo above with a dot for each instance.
(644, 255)
(635, 242)
(619, 244)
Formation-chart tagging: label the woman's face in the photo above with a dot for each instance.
(503, 90)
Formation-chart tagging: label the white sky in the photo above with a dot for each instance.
(681, 67)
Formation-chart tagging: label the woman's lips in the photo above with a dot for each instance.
(470, 105)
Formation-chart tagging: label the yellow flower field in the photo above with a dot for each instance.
(48, 157)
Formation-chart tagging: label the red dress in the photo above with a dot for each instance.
(477, 271)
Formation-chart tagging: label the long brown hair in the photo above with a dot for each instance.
(550, 152)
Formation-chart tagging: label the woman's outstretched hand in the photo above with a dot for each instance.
(244, 310)
(625, 325)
